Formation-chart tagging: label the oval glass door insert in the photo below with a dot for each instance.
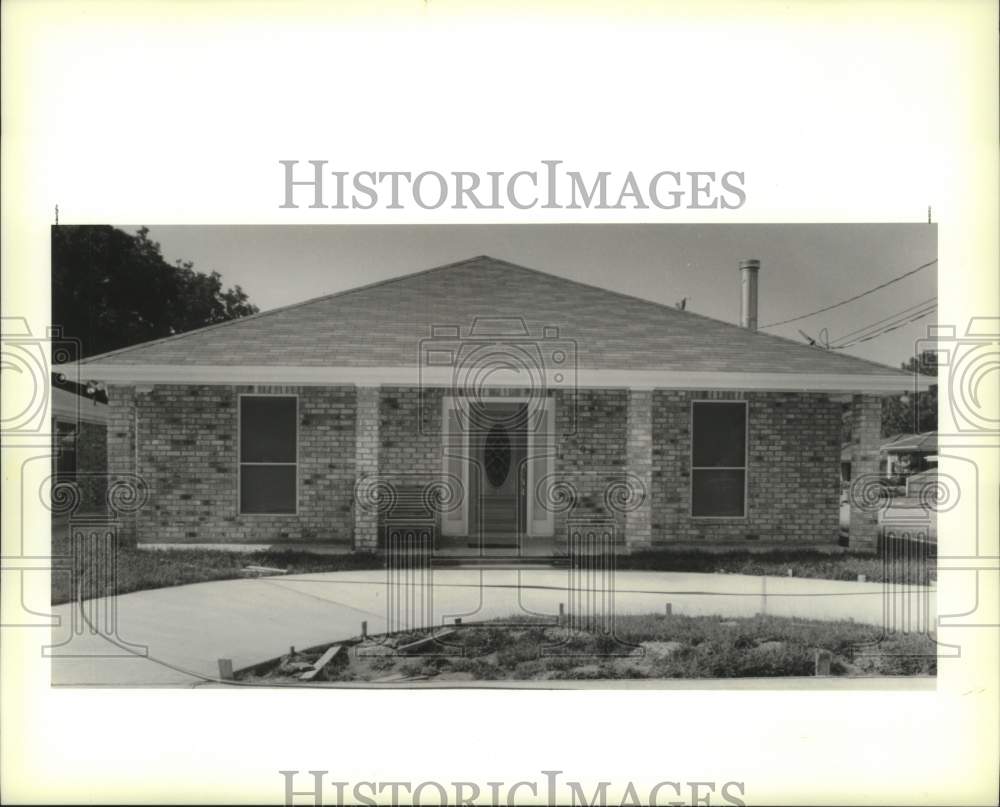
(497, 455)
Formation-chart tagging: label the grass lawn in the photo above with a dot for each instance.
(140, 569)
(803, 563)
(645, 647)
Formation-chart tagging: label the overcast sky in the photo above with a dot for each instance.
(804, 267)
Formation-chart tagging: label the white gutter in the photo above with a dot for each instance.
(437, 376)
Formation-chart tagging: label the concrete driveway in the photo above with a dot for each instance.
(175, 636)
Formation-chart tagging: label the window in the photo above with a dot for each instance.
(718, 458)
(268, 450)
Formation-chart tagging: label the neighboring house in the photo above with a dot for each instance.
(497, 406)
(80, 446)
(908, 454)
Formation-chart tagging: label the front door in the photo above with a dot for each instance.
(498, 481)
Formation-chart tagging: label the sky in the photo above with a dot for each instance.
(804, 267)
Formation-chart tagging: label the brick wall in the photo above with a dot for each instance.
(188, 456)
(594, 456)
(410, 433)
(866, 436)
(793, 478)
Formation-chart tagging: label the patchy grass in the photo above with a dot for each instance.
(142, 569)
(644, 647)
(803, 563)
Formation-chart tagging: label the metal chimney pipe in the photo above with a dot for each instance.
(748, 298)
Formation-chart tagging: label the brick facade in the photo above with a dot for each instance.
(188, 457)
(592, 454)
(793, 475)
(639, 515)
(866, 434)
(610, 438)
(366, 466)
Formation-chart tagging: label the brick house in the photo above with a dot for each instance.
(495, 405)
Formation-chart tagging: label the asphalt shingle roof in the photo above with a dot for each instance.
(381, 325)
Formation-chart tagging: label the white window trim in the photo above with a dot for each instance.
(746, 460)
(239, 452)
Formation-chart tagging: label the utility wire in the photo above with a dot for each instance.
(855, 297)
(884, 331)
(844, 337)
(890, 327)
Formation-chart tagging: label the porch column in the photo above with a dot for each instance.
(866, 435)
(366, 465)
(639, 467)
(122, 454)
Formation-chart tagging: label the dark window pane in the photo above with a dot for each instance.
(720, 433)
(267, 429)
(717, 493)
(267, 489)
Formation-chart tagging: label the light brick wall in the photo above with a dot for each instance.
(593, 457)
(639, 515)
(793, 481)
(188, 455)
(866, 436)
(121, 449)
(366, 459)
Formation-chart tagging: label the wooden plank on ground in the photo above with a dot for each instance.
(262, 570)
(411, 646)
(323, 660)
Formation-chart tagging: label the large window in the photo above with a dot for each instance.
(718, 459)
(268, 451)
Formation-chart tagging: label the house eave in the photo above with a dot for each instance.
(227, 375)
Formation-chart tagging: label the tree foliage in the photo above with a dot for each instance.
(913, 413)
(111, 290)
(909, 413)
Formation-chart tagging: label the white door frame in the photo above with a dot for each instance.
(539, 521)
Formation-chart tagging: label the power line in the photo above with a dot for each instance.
(912, 317)
(855, 297)
(893, 327)
(845, 336)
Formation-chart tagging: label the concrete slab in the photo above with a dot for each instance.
(175, 636)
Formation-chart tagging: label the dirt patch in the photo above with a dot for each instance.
(642, 647)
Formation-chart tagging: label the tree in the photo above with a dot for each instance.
(907, 413)
(903, 414)
(111, 290)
